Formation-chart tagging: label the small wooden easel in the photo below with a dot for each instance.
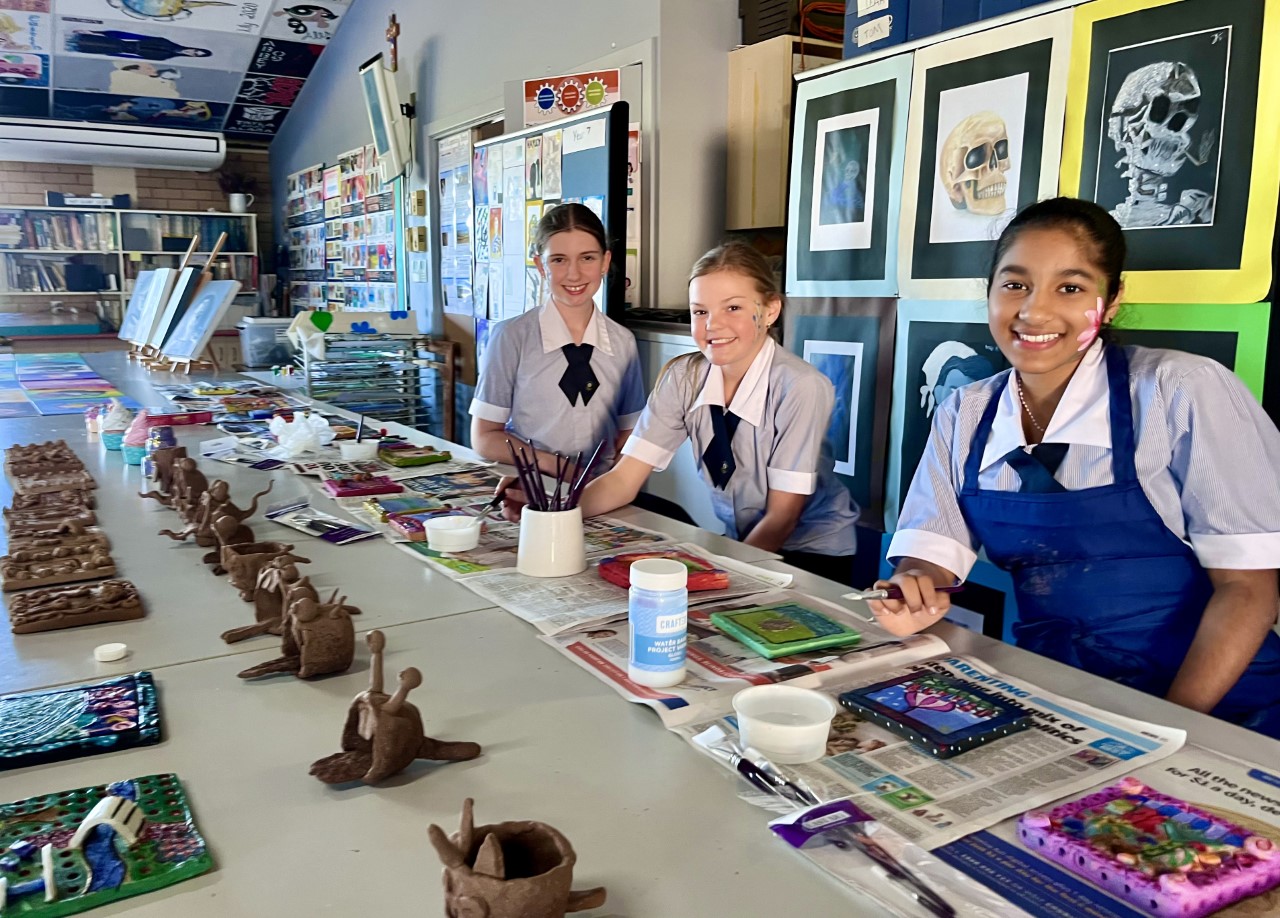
(144, 353)
(157, 360)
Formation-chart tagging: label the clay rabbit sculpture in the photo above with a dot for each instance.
(383, 735)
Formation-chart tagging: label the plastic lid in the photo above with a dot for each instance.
(109, 653)
(659, 574)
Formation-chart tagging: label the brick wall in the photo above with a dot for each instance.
(158, 189)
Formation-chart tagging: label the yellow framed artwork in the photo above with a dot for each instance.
(1171, 126)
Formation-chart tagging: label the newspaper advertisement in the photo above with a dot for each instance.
(581, 602)
(717, 666)
(1243, 793)
(931, 802)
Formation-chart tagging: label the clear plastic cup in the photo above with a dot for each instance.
(787, 724)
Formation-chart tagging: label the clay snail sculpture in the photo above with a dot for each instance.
(384, 734)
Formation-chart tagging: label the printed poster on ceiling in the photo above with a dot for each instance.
(551, 98)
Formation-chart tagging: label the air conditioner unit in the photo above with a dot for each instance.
(34, 141)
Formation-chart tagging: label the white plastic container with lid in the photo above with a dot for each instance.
(658, 618)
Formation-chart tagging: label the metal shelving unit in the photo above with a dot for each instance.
(385, 377)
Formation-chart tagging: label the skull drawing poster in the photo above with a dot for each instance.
(847, 147)
(983, 140)
(1172, 130)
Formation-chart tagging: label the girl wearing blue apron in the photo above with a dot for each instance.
(757, 415)
(1132, 494)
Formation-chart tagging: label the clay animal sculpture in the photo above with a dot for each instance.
(227, 530)
(317, 639)
(243, 562)
(509, 870)
(165, 460)
(383, 734)
(278, 584)
(190, 484)
(65, 607)
(213, 503)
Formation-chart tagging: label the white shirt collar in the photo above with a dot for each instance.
(748, 401)
(555, 333)
(1083, 416)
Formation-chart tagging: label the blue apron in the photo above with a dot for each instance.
(1101, 582)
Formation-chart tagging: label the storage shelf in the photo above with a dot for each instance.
(61, 293)
(58, 251)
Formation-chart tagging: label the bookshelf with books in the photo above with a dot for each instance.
(93, 255)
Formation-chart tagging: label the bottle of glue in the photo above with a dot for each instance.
(658, 618)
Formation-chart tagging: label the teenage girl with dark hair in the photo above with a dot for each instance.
(562, 377)
(1133, 494)
(757, 415)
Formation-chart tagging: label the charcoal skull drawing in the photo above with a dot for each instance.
(1151, 126)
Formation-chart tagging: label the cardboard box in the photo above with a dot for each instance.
(870, 25)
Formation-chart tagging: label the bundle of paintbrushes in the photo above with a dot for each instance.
(571, 477)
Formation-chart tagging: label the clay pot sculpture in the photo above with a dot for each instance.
(509, 870)
(243, 562)
(318, 639)
(383, 735)
(228, 531)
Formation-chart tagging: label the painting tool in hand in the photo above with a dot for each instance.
(893, 592)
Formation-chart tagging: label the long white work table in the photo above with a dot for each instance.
(650, 819)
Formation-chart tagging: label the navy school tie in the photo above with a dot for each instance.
(718, 456)
(1036, 470)
(578, 378)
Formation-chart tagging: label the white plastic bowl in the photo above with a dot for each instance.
(453, 533)
(788, 724)
(358, 449)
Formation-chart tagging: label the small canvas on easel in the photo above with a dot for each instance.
(191, 335)
(175, 307)
(133, 311)
(156, 295)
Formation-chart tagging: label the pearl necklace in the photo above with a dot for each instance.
(1027, 408)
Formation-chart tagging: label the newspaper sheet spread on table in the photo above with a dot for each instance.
(585, 602)
(928, 801)
(1070, 747)
(1239, 791)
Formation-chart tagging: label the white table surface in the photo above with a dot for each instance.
(651, 819)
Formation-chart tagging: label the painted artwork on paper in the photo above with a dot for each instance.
(842, 199)
(153, 42)
(25, 31)
(533, 168)
(21, 69)
(1172, 133)
(941, 346)
(193, 331)
(192, 114)
(313, 23)
(983, 141)
(847, 154)
(551, 165)
(851, 342)
(841, 363)
(243, 17)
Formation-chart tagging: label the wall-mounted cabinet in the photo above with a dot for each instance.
(759, 125)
